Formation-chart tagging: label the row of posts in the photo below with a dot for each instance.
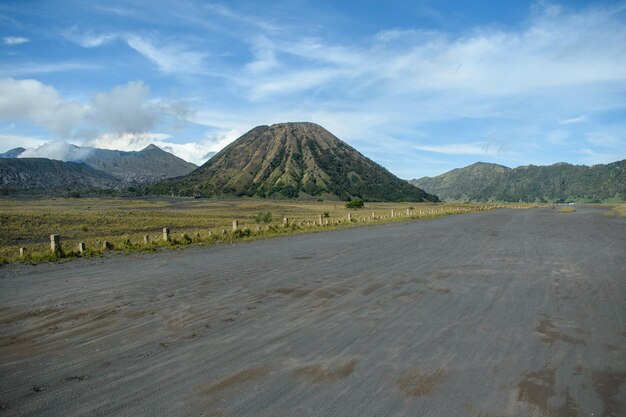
(55, 240)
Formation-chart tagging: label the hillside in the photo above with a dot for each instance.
(47, 176)
(292, 160)
(558, 182)
(12, 153)
(138, 167)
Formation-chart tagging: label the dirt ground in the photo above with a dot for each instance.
(503, 313)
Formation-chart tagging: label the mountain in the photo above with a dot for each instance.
(151, 164)
(291, 160)
(558, 182)
(48, 176)
(148, 165)
(12, 153)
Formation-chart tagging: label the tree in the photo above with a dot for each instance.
(355, 204)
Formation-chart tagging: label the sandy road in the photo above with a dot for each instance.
(505, 313)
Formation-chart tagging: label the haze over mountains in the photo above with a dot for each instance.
(559, 182)
(90, 169)
(292, 160)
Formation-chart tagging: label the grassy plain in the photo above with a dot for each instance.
(566, 209)
(28, 223)
(616, 210)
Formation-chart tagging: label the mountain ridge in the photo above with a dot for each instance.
(292, 160)
(552, 183)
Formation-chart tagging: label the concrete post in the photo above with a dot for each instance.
(408, 212)
(285, 221)
(349, 217)
(22, 252)
(210, 232)
(106, 245)
(235, 225)
(55, 243)
(373, 215)
(393, 213)
(146, 239)
(320, 219)
(166, 234)
(81, 247)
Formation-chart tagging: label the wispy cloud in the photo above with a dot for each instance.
(88, 39)
(574, 120)
(22, 69)
(476, 148)
(607, 139)
(173, 57)
(14, 40)
(592, 156)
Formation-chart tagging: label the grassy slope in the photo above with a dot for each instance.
(484, 182)
(291, 160)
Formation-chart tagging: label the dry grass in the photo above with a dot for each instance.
(616, 210)
(566, 209)
(123, 223)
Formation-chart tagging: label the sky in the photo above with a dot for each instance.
(421, 87)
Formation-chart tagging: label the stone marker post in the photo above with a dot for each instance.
(285, 221)
(55, 243)
(106, 245)
(81, 247)
(320, 219)
(146, 239)
(235, 225)
(408, 212)
(166, 234)
(393, 213)
(22, 252)
(349, 217)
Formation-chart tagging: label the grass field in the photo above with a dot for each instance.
(123, 223)
(616, 210)
(566, 209)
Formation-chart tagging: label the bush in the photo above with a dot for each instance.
(355, 204)
(263, 217)
(326, 214)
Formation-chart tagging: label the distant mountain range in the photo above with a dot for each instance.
(12, 153)
(559, 182)
(292, 160)
(97, 169)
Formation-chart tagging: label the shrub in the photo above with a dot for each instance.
(355, 204)
(326, 214)
(263, 217)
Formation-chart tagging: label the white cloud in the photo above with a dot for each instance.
(89, 39)
(574, 120)
(59, 150)
(14, 40)
(127, 141)
(606, 140)
(476, 148)
(34, 102)
(554, 51)
(19, 141)
(193, 151)
(31, 68)
(124, 109)
(594, 157)
(169, 57)
(557, 137)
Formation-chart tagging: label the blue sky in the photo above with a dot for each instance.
(421, 87)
